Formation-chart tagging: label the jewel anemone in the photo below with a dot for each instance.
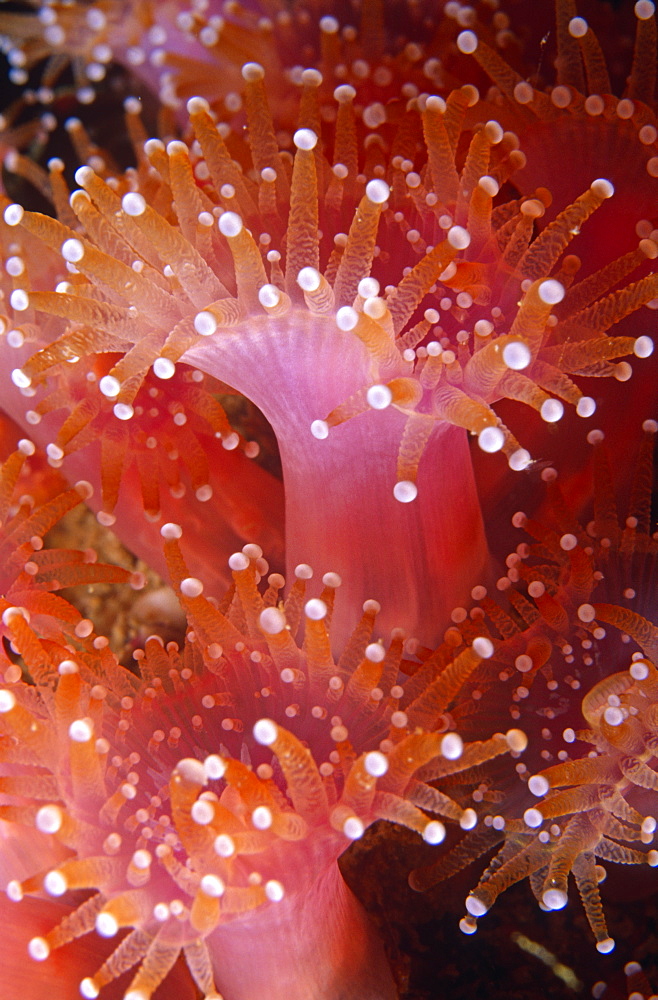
(185, 795)
(376, 275)
(372, 321)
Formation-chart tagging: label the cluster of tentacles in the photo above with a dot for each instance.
(192, 244)
(598, 799)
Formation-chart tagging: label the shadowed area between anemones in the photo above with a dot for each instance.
(246, 502)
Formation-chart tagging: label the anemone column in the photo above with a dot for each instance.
(331, 950)
(418, 559)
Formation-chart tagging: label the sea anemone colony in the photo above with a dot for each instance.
(364, 291)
